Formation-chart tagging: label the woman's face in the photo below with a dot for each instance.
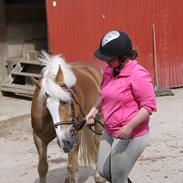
(114, 63)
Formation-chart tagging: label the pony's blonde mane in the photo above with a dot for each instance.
(48, 85)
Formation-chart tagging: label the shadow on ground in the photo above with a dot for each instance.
(59, 175)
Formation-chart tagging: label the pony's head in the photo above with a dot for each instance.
(55, 92)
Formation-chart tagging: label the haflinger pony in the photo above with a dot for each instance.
(62, 97)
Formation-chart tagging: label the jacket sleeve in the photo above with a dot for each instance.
(143, 90)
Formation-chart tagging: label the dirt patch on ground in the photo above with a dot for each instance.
(18, 156)
(161, 162)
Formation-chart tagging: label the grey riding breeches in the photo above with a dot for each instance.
(116, 157)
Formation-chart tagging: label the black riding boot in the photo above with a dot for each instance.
(129, 181)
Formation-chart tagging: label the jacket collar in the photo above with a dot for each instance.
(127, 69)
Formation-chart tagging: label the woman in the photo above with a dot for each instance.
(126, 101)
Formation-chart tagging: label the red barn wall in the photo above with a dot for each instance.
(75, 29)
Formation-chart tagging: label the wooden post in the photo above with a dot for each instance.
(3, 71)
(156, 79)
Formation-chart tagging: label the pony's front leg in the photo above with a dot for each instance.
(42, 153)
(73, 166)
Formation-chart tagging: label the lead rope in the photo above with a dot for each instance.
(82, 123)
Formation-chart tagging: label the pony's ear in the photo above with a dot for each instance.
(36, 81)
(59, 79)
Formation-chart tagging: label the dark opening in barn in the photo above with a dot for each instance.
(26, 35)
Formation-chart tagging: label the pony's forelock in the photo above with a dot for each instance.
(48, 86)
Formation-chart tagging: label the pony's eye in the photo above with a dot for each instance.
(63, 103)
(63, 85)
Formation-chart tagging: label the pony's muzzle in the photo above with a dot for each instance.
(67, 146)
(66, 142)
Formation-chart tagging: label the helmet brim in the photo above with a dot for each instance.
(102, 57)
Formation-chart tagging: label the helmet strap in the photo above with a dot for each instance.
(117, 70)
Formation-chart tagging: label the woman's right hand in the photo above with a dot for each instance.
(90, 116)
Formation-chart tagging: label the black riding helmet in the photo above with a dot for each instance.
(113, 45)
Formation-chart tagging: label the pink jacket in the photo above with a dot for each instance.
(123, 96)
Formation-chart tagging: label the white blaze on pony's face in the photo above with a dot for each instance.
(55, 93)
(64, 139)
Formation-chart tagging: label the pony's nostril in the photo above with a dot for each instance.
(66, 143)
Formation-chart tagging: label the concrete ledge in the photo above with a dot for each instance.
(11, 107)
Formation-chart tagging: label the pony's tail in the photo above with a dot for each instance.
(90, 143)
(88, 147)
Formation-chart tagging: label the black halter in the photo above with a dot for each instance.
(76, 125)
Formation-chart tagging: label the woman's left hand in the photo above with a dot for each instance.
(125, 132)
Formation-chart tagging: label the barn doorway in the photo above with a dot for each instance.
(26, 36)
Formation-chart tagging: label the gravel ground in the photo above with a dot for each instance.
(161, 162)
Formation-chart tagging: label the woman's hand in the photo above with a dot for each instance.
(125, 132)
(90, 116)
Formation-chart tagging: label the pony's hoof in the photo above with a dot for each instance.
(99, 179)
(66, 180)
